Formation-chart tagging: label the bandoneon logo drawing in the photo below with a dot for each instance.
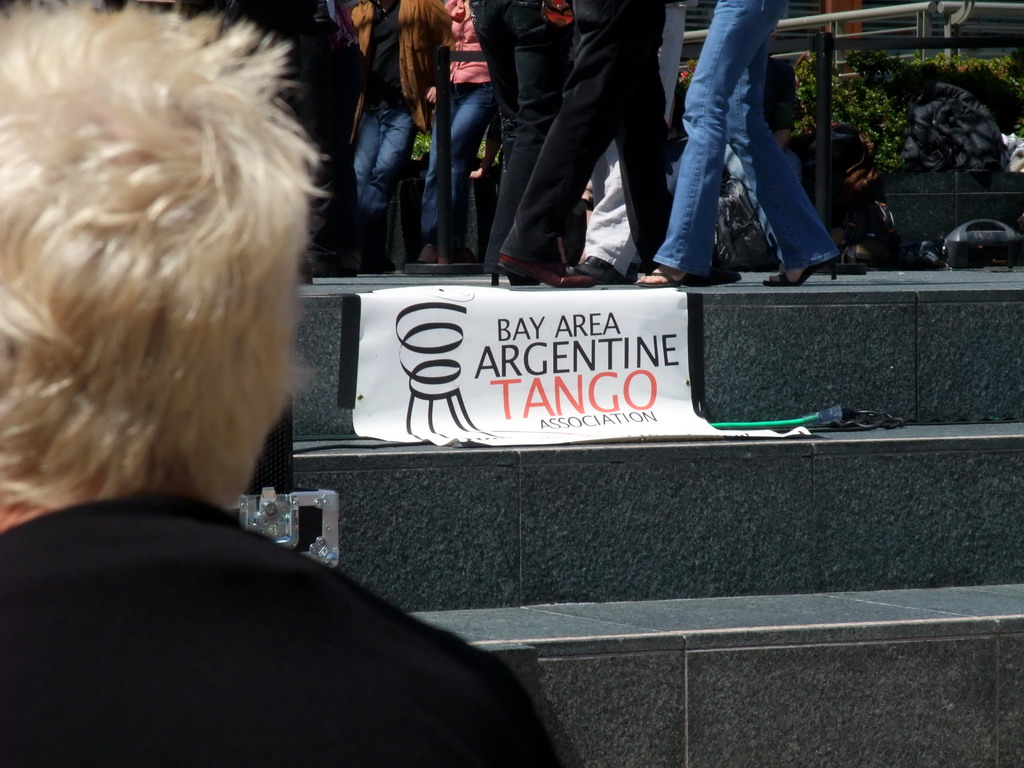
(430, 334)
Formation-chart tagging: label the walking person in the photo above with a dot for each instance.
(613, 93)
(397, 39)
(610, 256)
(323, 61)
(725, 104)
(329, 76)
(528, 60)
(472, 106)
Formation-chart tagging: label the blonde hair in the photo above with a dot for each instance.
(153, 202)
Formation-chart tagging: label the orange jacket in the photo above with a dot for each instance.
(423, 25)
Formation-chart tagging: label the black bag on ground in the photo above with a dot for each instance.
(923, 254)
(740, 241)
(869, 235)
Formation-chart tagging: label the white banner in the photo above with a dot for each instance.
(499, 367)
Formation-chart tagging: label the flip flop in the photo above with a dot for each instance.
(715, 277)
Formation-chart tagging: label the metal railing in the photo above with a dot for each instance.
(840, 24)
(849, 24)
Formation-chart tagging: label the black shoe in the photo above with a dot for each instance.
(321, 263)
(552, 273)
(781, 281)
(519, 280)
(603, 273)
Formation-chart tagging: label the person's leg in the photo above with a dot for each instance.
(609, 237)
(396, 132)
(670, 53)
(428, 211)
(608, 232)
(347, 83)
(364, 157)
(528, 62)
(471, 114)
(314, 106)
(738, 29)
(604, 75)
(641, 142)
(801, 238)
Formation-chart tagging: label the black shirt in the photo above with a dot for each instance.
(155, 632)
(384, 81)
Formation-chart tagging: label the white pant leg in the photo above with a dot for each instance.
(608, 235)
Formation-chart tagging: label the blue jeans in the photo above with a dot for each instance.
(737, 171)
(382, 148)
(473, 106)
(724, 104)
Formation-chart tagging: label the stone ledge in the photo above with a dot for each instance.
(439, 528)
(912, 678)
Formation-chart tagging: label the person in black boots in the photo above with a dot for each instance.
(528, 59)
(324, 62)
(330, 80)
(613, 92)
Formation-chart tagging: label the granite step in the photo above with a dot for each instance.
(434, 528)
(882, 679)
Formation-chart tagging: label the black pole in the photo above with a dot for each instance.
(824, 61)
(441, 144)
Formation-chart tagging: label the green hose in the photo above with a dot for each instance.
(835, 413)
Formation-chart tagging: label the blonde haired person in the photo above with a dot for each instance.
(153, 203)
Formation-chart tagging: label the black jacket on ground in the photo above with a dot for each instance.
(155, 632)
(949, 129)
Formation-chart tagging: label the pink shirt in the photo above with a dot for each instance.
(465, 40)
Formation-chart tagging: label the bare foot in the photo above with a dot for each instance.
(663, 277)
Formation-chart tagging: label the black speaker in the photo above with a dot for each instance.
(983, 243)
(274, 467)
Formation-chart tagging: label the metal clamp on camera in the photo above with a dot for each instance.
(277, 517)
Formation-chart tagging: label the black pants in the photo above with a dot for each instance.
(528, 61)
(613, 93)
(326, 101)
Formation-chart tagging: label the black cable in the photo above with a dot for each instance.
(855, 420)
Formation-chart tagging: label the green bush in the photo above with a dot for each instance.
(875, 98)
(420, 145)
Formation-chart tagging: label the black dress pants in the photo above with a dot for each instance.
(528, 61)
(613, 93)
(325, 103)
